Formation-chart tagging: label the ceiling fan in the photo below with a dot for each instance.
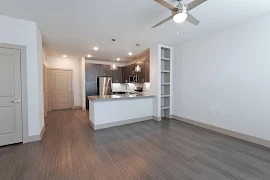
(180, 12)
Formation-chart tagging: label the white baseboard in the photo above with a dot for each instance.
(35, 137)
(77, 107)
(119, 123)
(157, 118)
(227, 132)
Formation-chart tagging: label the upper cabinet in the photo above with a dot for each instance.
(117, 75)
(144, 75)
(147, 70)
(103, 70)
(107, 71)
(122, 75)
(143, 60)
(90, 73)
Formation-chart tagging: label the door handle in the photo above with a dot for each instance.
(17, 101)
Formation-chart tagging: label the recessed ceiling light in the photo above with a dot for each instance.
(64, 56)
(177, 33)
(130, 53)
(89, 55)
(95, 48)
(118, 59)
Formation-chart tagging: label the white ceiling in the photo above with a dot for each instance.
(74, 27)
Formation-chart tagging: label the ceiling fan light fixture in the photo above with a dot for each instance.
(180, 17)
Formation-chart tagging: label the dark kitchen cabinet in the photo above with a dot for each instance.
(90, 72)
(132, 69)
(103, 70)
(100, 70)
(147, 70)
(141, 75)
(90, 90)
(107, 70)
(126, 73)
(117, 75)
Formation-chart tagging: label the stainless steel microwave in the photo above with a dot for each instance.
(133, 79)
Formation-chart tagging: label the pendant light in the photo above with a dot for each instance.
(113, 67)
(138, 68)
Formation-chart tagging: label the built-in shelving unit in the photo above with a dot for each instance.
(165, 81)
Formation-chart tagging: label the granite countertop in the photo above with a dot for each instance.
(119, 96)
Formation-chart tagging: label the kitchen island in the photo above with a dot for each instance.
(114, 110)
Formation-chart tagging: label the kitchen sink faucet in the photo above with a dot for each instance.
(126, 86)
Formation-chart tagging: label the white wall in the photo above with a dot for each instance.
(82, 66)
(227, 71)
(69, 63)
(154, 76)
(44, 58)
(26, 33)
(40, 78)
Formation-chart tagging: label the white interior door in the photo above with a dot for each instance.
(10, 97)
(61, 89)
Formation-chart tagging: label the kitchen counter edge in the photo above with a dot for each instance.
(118, 97)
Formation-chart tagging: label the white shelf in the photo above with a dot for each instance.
(165, 95)
(166, 80)
(165, 107)
(165, 59)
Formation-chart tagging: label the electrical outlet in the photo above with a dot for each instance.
(210, 111)
(221, 113)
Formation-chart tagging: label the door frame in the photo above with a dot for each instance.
(49, 86)
(44, 69)
(24, 105)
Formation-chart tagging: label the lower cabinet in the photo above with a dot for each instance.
(90, 90)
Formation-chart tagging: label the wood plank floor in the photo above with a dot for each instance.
(71, 150)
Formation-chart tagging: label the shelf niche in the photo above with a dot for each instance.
(165, 70)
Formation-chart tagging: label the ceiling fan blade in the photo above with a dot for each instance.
(166, 5)
(165, 20)
(192, 20)
(195, 3)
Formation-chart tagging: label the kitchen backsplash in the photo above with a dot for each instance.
(130, 88)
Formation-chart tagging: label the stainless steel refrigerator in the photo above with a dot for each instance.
(104, 85)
